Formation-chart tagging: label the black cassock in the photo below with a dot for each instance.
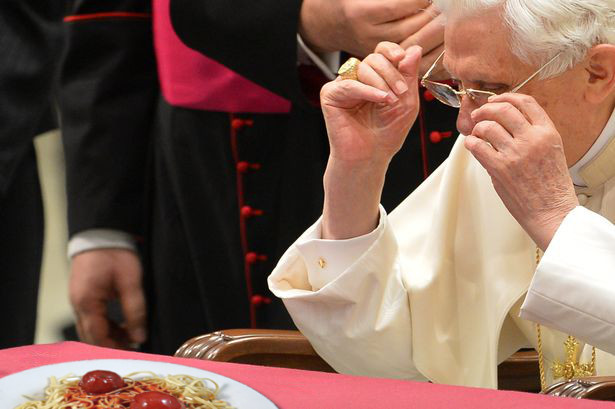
(30, 47)
(229, 187)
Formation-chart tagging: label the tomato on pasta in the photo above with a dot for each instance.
(139, 390)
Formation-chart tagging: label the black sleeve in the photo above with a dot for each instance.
(30, 47)
(255, 38)
(108, 94)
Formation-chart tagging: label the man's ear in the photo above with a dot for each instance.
(600, 64)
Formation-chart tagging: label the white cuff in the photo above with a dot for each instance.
(328, 63)
(574, 285)
(327, 259)
(94, 239)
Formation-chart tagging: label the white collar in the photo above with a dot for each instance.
(607, 133)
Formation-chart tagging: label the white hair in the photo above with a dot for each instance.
(542, 28)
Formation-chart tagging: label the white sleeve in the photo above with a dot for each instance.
(94, 239)
(326, 259)
(574, 285)
(371, 337)
(328, 63)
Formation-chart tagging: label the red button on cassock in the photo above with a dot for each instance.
(244, 166)
(238, 123)
(436, 136)
(248, 211)
(258, 300)
(252, 257)
(428, 96)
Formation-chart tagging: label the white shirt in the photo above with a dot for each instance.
(601, 142)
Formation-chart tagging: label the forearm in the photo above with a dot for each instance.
(107, 106)
(352, 197)
(311, 23)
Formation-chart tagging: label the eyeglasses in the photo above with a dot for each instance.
(452, 97)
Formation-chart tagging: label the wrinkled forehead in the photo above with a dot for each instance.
(478, 45)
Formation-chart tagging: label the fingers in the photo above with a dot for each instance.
(409, 66)
(395, 54)
(494, 133)
(89, 296)
(439, 73)
(527, 105)
(429, 37)
(392, 51)
(380, 80)
(132, 299)
(484, 153)
(376, 70)
(94, 327)
(97, 329)
(394, 10)
(505, 114)
(403, 28)
(133, 307)
(348, 94)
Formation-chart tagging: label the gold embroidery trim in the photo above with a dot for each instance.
(571, 368)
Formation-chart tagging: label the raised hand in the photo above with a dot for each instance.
(516, 142)
(368, 119)
(367, 123)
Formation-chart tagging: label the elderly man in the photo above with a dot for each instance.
(434, 291)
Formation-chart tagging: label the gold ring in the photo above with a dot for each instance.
(350, 69)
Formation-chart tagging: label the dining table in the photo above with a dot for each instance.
(299, 389)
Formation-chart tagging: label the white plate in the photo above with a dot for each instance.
(31, 382)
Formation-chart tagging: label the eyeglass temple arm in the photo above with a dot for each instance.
(432, 67)
(518, 87)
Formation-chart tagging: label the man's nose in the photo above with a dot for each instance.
(465, 124)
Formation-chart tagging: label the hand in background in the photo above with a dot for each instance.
(357, 26)
(431, 38)
(97, 277)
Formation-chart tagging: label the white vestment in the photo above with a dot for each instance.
(437, 291)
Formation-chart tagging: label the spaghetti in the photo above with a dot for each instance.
(67, 393)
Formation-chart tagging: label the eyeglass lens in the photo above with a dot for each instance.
(444, 94)
(447, 95)
(479, 97)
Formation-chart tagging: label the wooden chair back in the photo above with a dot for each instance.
(290, 349)
(279, 348)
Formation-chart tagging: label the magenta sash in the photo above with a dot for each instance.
(191, 80)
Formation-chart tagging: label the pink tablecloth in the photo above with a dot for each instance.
(292, 389)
